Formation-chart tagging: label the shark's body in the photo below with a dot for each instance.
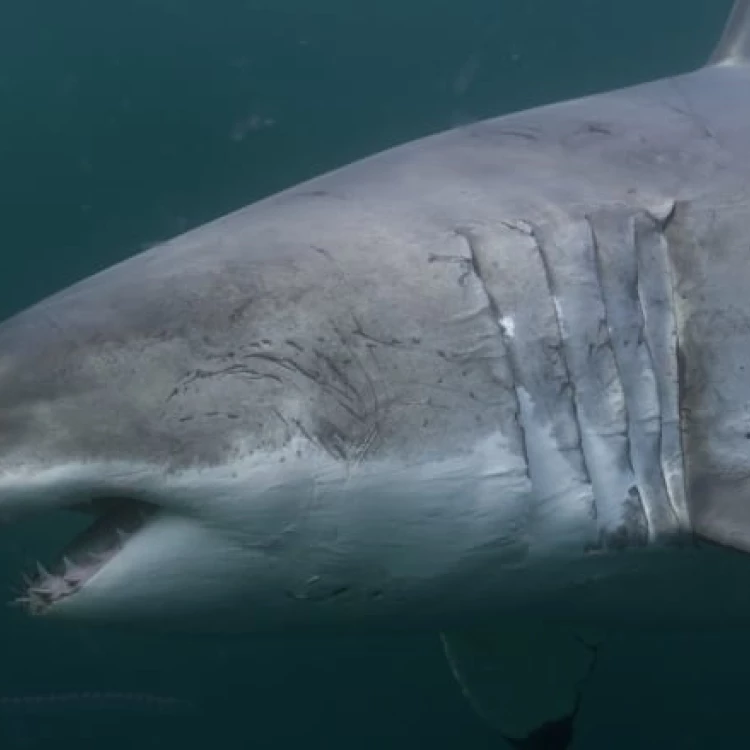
(504, 370)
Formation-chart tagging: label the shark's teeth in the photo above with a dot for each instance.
(111, 531)
(45, 588)
(41, 590)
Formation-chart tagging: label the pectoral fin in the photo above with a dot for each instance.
(527, 681)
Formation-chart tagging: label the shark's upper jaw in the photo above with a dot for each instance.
(116, 521)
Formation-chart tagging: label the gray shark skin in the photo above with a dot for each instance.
(500, 371)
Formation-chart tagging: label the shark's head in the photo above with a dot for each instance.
(250, 439)
(167, 403)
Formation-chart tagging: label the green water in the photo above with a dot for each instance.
(125, 123)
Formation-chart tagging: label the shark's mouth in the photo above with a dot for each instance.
(116, 521)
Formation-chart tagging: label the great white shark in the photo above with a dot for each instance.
(494, 382)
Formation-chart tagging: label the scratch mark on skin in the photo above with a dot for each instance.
(448, 389)
(458, 260)
(334, 368)
(435, 258)
(306, 434)
(482, 133)
(376, 409)
(596, 128)
(295, 346)
(363, 449)
(239, 311)
(359, 331)
(332, 439)
(333, 446)
(688, 112)
(316, 377)
(371, 347)
(322, 251)
(525, 135)
(284, 421)
(235, 370)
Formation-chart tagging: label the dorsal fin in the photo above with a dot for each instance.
(734, 46)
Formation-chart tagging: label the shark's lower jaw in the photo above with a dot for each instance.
(117, 520)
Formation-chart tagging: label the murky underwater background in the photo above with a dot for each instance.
(124, 123)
